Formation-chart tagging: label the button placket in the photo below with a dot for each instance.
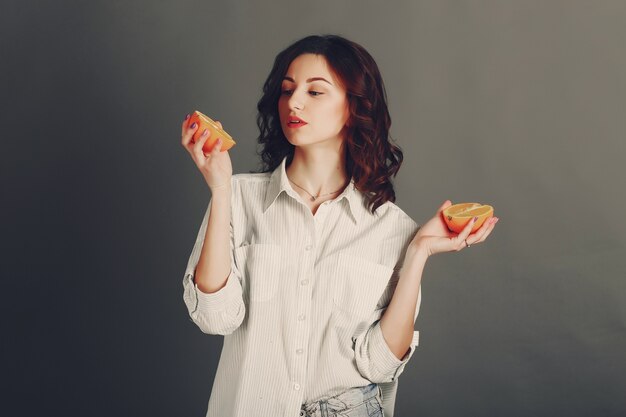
(304, 295)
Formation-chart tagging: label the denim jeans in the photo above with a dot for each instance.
(356, 402)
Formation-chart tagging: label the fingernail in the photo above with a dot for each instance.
(187, 117)
(193, 125)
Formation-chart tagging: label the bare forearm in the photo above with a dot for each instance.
(214, 264)
(398, 320)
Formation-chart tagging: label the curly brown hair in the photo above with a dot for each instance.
(371, 158)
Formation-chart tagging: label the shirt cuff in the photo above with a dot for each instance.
(213, 302)
(382, 356)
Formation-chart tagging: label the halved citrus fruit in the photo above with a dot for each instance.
(458, 215)
(205, 122)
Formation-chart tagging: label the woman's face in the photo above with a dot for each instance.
(311, 92)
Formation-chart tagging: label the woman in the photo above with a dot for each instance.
(308, 268)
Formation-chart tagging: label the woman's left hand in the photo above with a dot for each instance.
(435, 237)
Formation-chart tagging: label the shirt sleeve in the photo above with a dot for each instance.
(221, 312)
(374, 358)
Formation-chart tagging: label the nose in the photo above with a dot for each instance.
(295, 102)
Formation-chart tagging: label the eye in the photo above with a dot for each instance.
(313, 93)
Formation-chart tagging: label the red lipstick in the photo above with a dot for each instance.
(295, 122)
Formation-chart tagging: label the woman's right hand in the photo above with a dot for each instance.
(215, 166)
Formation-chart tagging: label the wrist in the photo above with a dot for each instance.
(414, 262)
(418, 251)
(224, 188)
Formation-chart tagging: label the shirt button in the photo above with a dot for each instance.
(301, 317)
(299, 351)
(304, 281)
(308, 247)
(296, 386)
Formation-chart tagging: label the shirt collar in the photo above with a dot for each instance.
(279, 183)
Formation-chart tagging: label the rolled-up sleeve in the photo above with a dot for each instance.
(374, 358)
(221, 312)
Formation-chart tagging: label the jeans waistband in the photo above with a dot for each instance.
(345, 400)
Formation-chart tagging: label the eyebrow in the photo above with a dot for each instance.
(309, 80)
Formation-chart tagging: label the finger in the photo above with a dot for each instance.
(197, 148)
(217, 122)
(460, 243)
(188, 135)
(444, 206)
(477, 237)
(184, 126)
(217, 147)
(489, 230)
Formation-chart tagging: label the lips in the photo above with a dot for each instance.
(294, 121)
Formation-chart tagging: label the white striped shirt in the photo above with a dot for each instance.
(301, 307)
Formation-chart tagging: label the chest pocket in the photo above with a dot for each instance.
(260, 267)
(359, 284)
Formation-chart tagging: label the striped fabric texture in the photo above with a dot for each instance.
(301, 307)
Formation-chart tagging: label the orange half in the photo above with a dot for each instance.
(205, 122)
(458, 215)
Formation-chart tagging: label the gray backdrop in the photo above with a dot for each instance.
(519, 104)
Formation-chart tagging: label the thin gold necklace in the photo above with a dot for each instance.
(313, 197)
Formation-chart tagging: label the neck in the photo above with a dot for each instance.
(319, 173)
